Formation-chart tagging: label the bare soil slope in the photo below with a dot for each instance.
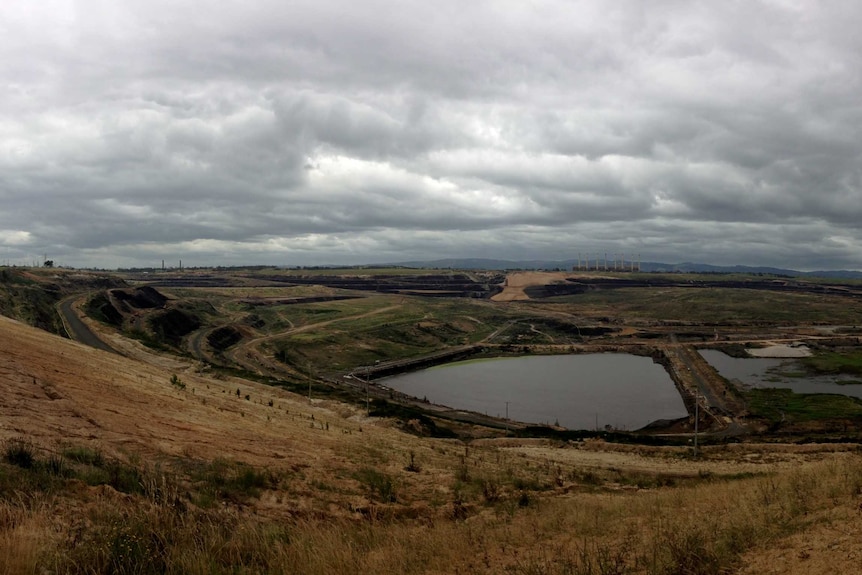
(513, 290)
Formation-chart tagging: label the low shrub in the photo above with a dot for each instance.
(20, 452)
(379, 484)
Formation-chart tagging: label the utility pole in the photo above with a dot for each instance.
(507, 418)
(696, 419)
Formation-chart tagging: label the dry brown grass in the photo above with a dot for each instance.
(701, 529)
(25, 537)
(134, 475)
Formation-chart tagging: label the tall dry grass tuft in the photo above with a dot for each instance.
(700, 529)
(25, 536)
(162, 538)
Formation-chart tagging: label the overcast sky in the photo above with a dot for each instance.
(322, 132)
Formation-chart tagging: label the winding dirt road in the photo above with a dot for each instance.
(75, 328)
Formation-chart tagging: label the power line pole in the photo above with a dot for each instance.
(367, 403)
(696, 419)
(507, 418)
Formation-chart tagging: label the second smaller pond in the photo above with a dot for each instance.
(774, 372)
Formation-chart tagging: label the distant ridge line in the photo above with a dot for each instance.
(566, 265)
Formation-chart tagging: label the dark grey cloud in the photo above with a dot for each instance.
(338, 132)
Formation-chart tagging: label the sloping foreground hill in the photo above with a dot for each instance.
(118, 465)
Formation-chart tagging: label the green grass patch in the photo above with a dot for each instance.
(783, 405)
(146, 338)
(84, 455)
(28, 470)
(414, 328)
(849, 362)
(380, 485)
(232, 481)
(11, 276)
(31, 304)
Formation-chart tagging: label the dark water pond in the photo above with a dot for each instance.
(775, 372)
(576, 391)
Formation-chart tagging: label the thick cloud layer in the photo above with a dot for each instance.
(356, 132)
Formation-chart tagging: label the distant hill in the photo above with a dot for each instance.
(488, 264)
(688, 267)
(707, 268)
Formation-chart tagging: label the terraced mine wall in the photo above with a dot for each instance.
(192, 281)
(580, 285)
(296, 300)
(434, 285)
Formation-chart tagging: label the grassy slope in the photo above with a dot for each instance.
(24, 298)
(354, 332)
(30, 294)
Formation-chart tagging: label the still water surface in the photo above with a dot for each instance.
(578, 391)
(773, 372)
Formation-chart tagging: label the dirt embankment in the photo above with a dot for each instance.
(426, 285)
(516, 284)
